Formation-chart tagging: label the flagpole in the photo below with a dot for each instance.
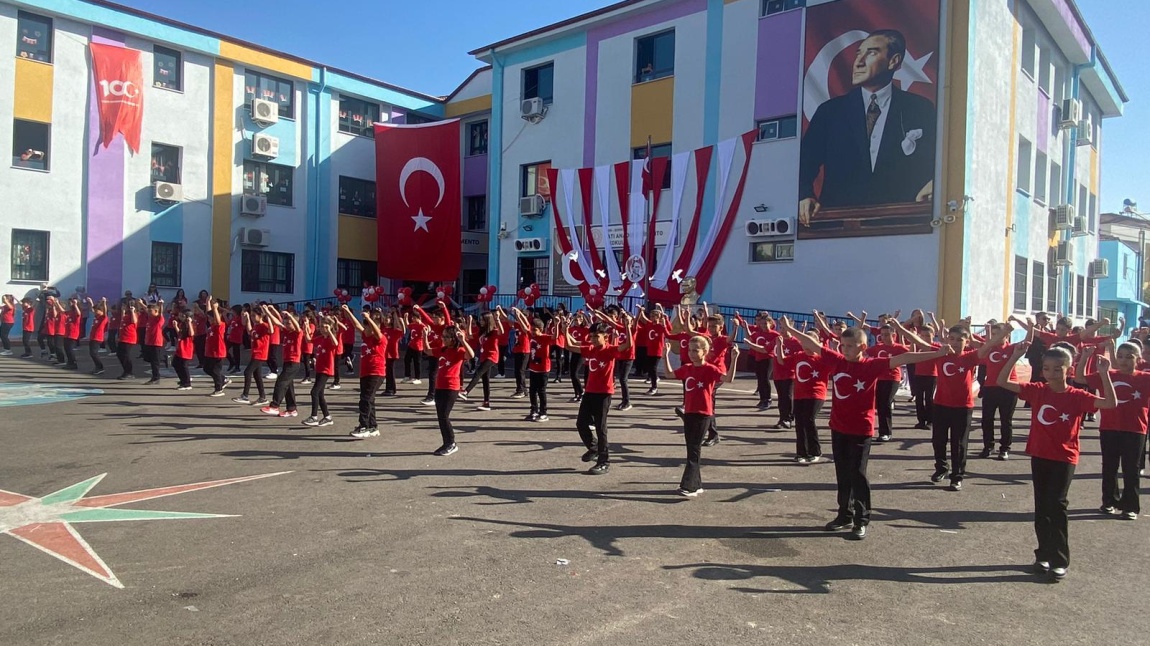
(647, 215)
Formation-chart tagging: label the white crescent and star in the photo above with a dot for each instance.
(997, 357)
(1123, 383)
(414, 165)
(835, 385)
(799, 372)
(594, 365)
(1042, 412)
(687, 385)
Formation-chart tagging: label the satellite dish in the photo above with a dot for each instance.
(1129, 202)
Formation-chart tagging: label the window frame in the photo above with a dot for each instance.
(1021, 280)
(179, 68)
(524, 170)
(257, 256)
(263, 168)
(45, 238)
(783, 6)
(368, 128)
(179, 154)
(755, 244)
(256, 89)
(792, 120)
(368, 210)
(1090, 297)
(1052, 289)
(1080, 301)
(50, 50)
(169, 279)
(656, 73)
(1037, 289)
(472, 149)
(1024, 168)
(45, 162)
(1041, 177)
(470, 225)
(550, 98)
(344, 274)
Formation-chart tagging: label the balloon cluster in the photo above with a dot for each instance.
(443, 292)
(486, 294)
(372, 294)
(403, 297)
(594, 294)
(529, 294)
(342, 295)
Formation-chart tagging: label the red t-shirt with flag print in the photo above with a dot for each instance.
(325, 351)
(7, 314)
(1133, 394)
(783, 368)
(995, 360)
(447, 377)
(261, 337)
(71, 325)
(956, 380)
(393, 337)
(653, 335)
(99, 327)
(29, 316)
(489, 347)
(128, 330)
(292, 341)
(810, 380)
(185, 347)
(371, 356)
(852, 385)
(522, 339)
(886, 351)
(699, 386)
(154, 332)
(600, 363)
(540, 350)
(214, 346)
(235, 330)
(1055, 420)
(765, 337)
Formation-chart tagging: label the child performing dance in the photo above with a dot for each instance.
(599, 354)
(326, 347)
(539, 361)
(450, 355)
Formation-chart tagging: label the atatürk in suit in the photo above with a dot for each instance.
(836, 142)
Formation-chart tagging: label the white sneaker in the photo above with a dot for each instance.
(242, 400)
(689, 494)
(327, 421)
(361, 432)
(416, 381)
(271, 375)
(311, 421)
(5, 353)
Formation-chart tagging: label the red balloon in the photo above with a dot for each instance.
(529, 301)
(337, 292)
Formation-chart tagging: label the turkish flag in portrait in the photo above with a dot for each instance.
(419, 202)
(119, 93)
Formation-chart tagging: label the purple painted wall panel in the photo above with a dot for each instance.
(475, 175)
(1044, 109)
(105, 196)
(777, 65)
(1075, 27)
(611, 30)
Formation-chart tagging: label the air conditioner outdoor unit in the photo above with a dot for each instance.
(1071, 114)
(529, 244)
(168, 192)
(264, 112)
(772, 227)
(1099, 268)
(265, 146)
(1079, 228)
(1064, 215)
(255, 237)
(1085, 131)
(532, 205)
(253, 205)
(532, 109)
(1062, 254)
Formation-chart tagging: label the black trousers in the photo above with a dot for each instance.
(785, 389)
(255, 370)
(318, 399)
(122, 350)
(1121, 448)
(623, 373)
(70, 352)
(274, 354)
(57, 342)
(653, 369)
(884, 405)
(307, 363)
(284, 390)
(538, 392)
(235, 352)
(951, 426)
(694, 428)
(852, 452)
(93, 354)
(998, 402)
(411, 363)
(559, 360)
(27, 339)
(213, 367)
(1051, 485)
(483, 373)
(573, 368)
(198, 343)
(432, 366)
(152, 356)
(806, 432)
(444, 403)
(764, 369)
(181, 367)
(389, 376)
(640, 360)
(520, 371)
(593, 412)
(922, 387)
(367, 389)
(5, 330)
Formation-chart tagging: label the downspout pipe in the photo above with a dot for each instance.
(318, 220)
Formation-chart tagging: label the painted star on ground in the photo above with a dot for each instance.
(46, 523)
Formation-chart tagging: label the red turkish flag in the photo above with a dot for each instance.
(418, 196)
(119, 93)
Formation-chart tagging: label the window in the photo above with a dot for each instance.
(1044, 70)
(267, 272)
(350, 274)
(166, 262)
(167, 68)
(1037, 279)
(1090, 297)
(477, 213)
(1024, 165)
(780, 128)
(1055, 191)
(661, 150)
(539, 82)
(35, 34)
(356, 197)
(1052, 290)
(1081, 300)
(1021, 273)
(29, 255)
(1028, 53)
(270, 180)
(655, 56)
(1091, 212)
(270, 88)
(1040, 175)
(31, 144)
(165, 163)
(772, 251)
(533, 180)
(535, 270)
(1083, 203)
(357, 117)
(414, 118)
(770, 7)
(477, 138)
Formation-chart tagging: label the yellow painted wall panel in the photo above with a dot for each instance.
(33, 100)
(249, 56)
(357, 238)
(1094, 171)
(652, 111)
(467, 106)
(953, 174)
(223, 119)
(1007, 262)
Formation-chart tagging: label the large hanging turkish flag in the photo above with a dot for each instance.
(119, 93)
(418, 195)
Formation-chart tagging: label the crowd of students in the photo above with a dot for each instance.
(1075, 371)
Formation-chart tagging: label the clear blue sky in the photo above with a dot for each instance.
(423, 45)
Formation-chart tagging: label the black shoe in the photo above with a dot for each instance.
(1004, 455)
(1041, 567)
(986, 452)
(884, 438)
(858, 533)
(955, 485)
(680, 413)
(151, 382)
(711, 440)
(1057, 574)
(939, 474)
(591, 455)
(839, 524)
(599, 469)
(922, 426)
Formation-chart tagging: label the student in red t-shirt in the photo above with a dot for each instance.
(450, 355)
(997, 402)
(490, 334)
(28, 318)
(700, 379)
(128, 337)
(521, 354)
(1055, 420)
(53, 324)
(234, 338)
(154, 339)
(260, 333)
(577, 330)
(97, 333)
(1122, 431)
(214, 345)
(391, 328)
(185, 328)
(291, 342)
(436, 322)
(624, 325)
(810, 392)
(599, 353)
(372, 355)
(853, 416)
(652, 332)
(307, 343)
(888, 346)
(763, 335)
(68, 331)
(325, 346)
(7, 322)
(539, 344)
(413, 355)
